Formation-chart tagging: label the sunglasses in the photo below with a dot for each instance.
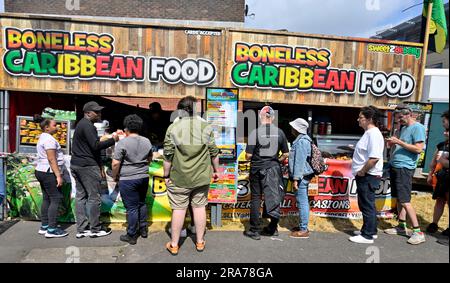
(403, 111)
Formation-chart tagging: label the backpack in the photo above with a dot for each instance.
(316, 160)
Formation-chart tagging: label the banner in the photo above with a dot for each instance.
(332, 194)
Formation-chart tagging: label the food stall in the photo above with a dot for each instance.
(321, 78)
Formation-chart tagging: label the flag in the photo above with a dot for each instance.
(438, 25)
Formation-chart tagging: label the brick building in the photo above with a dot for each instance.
(225, 12)
(221, 13)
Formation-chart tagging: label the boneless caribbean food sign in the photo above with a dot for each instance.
(305, 69)
(173, 62)
(88, 56)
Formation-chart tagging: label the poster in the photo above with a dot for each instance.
(28, 133)
(221, 113)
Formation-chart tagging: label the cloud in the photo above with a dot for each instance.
(362, 18)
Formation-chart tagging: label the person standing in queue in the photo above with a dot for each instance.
(130, 167)
(266, 178)
(86, 167)
(367, 167)
(48, 171)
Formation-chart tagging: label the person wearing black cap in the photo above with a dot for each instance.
(86, 167)
(263, 149)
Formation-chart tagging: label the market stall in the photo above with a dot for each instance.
(299, 73)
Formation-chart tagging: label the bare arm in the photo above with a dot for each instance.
(53, 162)
(414, 148)
(369, 165)
(115, 169)
(167, 165)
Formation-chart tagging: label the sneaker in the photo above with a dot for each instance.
(42, 230)
(358, 233)
(143, 232)
(57, 233)
(129, 239)
(432, 228)
(85, 233)
(445, 232)
(100, 233)
(299, 235)
(252, 235)
(398, 231)
(360, 240)
(417, 238)
(269, 233)
(172, 250)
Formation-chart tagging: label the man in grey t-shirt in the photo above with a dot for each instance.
(130, 166)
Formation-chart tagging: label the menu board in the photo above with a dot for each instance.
(221, 113)
(30, 131)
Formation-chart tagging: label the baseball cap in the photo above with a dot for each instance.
(300, 125)
(92, 106)
(268, 111)
(403, 107)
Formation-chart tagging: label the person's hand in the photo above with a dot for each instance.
(430, 179)
(216, 177)
(360, 173)
(115, 136)
(393, 140)
(102, 173)
(168, 182)
(295, 185)
(59, 181)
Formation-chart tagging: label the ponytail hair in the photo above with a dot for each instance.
(43, 122)
(371, 112)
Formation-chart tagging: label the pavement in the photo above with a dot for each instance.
(20, 242)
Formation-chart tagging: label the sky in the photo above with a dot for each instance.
(357, 18)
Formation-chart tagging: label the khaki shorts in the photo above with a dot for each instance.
(180, 198)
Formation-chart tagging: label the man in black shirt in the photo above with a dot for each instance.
(86, 167)
(263, 149)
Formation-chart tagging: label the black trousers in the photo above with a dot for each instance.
(366, 188)
(52, 198)
(261, 182)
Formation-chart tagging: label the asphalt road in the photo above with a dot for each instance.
(19, 242)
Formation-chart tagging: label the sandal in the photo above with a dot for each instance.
(200, 246)
(172, 250)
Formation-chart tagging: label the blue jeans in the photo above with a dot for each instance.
(303, 204)
(366, 187)
(133, 193)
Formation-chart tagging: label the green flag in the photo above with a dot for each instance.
(438, 25)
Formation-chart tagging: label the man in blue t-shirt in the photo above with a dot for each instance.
(407, 148)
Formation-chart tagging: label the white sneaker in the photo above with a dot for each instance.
(360, 240)
(85, 233)
(417, 238)
(398, 231)
(357, 233)
(100, 233)
(42, 231)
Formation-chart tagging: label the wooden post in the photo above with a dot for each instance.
(425, 53)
